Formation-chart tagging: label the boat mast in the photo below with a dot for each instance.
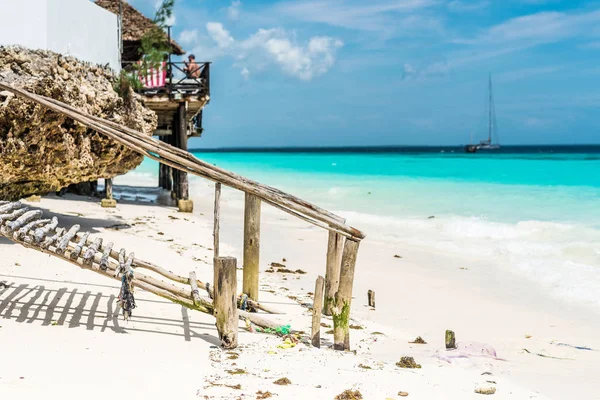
(490, 111)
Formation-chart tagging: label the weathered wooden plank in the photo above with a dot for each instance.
(25, 229)
(335, 246)
(88, 256)
(40, 233)
(13, 215)
(195, 290)
(105, 255)
(64, 240)
(8, 207)
(49, 241)
(79, 247)
(217, 221)
(251, 246)
(225, 302)
(343, 297)
(24, 219)
(316, 312)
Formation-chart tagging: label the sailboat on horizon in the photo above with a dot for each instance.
(491, 143)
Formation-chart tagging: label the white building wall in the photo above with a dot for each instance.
(24, 22)
(78, 28)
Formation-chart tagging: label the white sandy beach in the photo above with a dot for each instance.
(61, 337)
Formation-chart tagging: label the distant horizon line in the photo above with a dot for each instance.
(375, 148)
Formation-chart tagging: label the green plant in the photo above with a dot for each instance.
(124, 82)
(154, 44)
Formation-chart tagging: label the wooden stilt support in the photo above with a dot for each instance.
(109, 188)
(161, 169)
(168, 171)
(217, 219)
(175, 141)
(108, 201)
(332, 274)
(183, 201)
(251, 245)
(371, 298)
(316, 312)
(182, 142)
(225, 302)
(343, 297)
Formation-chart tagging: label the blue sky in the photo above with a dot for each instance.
(393, 72)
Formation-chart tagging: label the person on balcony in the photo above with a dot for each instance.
(192, 69)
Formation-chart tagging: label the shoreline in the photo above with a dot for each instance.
(420, 294)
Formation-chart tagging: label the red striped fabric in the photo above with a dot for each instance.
(154, 77)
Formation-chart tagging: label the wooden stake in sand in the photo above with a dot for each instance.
(109, 188)
(316, 312)
(343, 297)
(332, 274)
(371, 298)
(251, 245)
(225, 302)
(217, 219)
(450, 340)
(195, 290)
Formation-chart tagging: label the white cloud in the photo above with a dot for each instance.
(372, 15)
(219, 34)
(233, 11)
(245, 73)
(188, 36)
(543, 27)
(273, 47)
(171, 20)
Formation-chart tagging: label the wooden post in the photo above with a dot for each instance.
(183, 193)
(109, 188)
(216, 221)
(251, 245)
(343, 297)
(225, 300)
(174, 171)
(161, 170)
(108, 201)
(316, 312)
(450, 340)
(371, 298)
(332, 273)
(168, 174)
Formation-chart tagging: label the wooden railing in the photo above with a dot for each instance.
(343, 238)
(176, 76)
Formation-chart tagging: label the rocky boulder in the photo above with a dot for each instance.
(42, 151)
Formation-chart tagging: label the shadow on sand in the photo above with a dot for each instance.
(93, 310)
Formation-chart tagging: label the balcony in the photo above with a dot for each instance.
(166, 85)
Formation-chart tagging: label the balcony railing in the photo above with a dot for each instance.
(171, 78)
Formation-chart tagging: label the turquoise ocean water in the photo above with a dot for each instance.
(534, 209)
(543, 185)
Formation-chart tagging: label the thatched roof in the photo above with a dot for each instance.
(135, 24)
